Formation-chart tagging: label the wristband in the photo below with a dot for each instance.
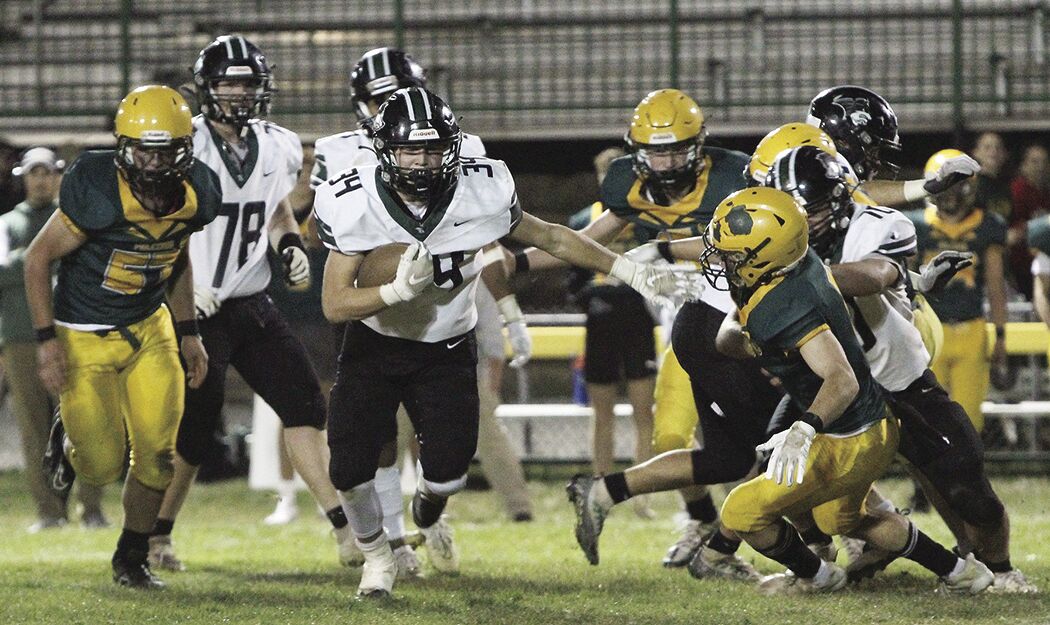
(915, 190)
(1000, 332)
(188, 327)
(664, 248)
(44, 335)
(291, 239)
(521, 262)
(812, 421)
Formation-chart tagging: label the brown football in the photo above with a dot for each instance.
(380, 265)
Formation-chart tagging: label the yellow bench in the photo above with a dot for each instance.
(564, 342)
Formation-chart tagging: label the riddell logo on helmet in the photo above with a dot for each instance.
(423, 134)
(662, 137)
(155, 136)
(239, 70)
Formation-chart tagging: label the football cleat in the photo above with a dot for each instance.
(442, 551)
(870, 561)
(349, 553)
(590, 516)
(131, 569)
(1012, 582)
(788, 584)
(974, 578)
(854, 548)
(378, 572)
(408, 566)
(162, 554)
(47, 523)
(94, 520)
(682, 552)
(708, 563)
(57, 468)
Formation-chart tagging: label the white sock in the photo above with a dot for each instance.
(286, 490)
(388, 488)
(960, 564)
(362, 510)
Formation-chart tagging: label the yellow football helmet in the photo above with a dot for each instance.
(958, 198)
(154, 130)
(788, 136)
(665, 138)
(755, 234)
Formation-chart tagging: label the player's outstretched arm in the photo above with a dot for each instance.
(55, 240)
(602, 231)
(895, 193)
(866, 277)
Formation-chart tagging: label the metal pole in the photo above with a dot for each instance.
(399, 23)
(38, 45)
(126, 7)
(673, 23)
(958, 123)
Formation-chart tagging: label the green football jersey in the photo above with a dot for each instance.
(782, 315)
(963, 298)
(722, 174)
(117, 277)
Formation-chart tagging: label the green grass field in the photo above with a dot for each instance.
(240, 571)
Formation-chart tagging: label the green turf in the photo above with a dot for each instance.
(243, 572)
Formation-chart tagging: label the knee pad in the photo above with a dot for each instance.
(153, 469)
(97, 470)
(347, 475)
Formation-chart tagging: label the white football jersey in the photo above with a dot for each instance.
(883, 322)
(355, 213)
(229, 254)
(334, 153)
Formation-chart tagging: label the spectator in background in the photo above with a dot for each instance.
(40, 171)
(1030, 190)
(618, 346)
(993, 183)
(11, 193)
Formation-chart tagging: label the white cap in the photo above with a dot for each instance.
(38, 156)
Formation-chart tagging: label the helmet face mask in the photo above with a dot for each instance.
(817, 181)
(377, 74)
(417, 140)
(863, 126)
(234, 81)
(155, 145)
(957, 200)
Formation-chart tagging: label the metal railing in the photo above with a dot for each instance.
(548, 68)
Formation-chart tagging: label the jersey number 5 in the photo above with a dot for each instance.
(128, 273)
(251, 227)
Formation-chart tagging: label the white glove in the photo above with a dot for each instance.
(952, 171)
(643, 254)
(205, 301)
(661, 285)
(790, 451)
(415, 272)
(934, 275)
(517, 331)
(296, 267)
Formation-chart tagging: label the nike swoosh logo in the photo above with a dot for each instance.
(451, 345)
(267, 173)
(412, 280)
(457, 224)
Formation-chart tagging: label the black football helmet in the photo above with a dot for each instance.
(233, 58)
(863, 126)
(415, 117)
(377, 74)
(817, 181)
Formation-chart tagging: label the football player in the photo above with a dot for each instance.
(671, 182)
(377, 74)
(793, 320)
(867, 248)
(107, 345)
(257, 163)
(953, 221)
(411, 340)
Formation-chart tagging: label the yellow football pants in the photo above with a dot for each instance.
(675, 417)
(929, 326)
(839, 474)
(116, 392)
(962, 366)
